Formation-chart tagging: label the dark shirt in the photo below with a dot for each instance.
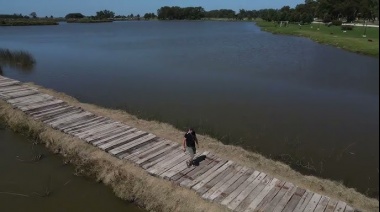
(190, 139)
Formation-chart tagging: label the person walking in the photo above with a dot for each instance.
(189, 142)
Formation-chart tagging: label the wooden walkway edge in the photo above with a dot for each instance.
(222, 181)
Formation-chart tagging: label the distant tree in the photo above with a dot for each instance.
(33, 15)
(74, 15)
(138, 16)
(104, 14)
(51, 16)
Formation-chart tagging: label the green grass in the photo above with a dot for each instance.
(87, 20)
(27, 22)
(350, 40)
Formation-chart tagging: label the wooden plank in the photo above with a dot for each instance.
(84, 118)
(49, 103)
(3, 84)
(69, 119)
(262, 198)
(134, 144)
(232, 187)
(24, 99)
(162, 167)
(162, 158)
(108, 133)
(277, 198)
(322, 204)
(81, 123)
(115, 133)
(88, 126)
(304, 201)
(142, 160)
(106, 124)
(18, 94)
(45, 108)
(349, 209)
(156, 143)
(60, 116)
(209, 175)
(216, 180)
(254, 193)
(235, 198)
(192, 172)
(148, 151)
(288, 195)
(101, 130)
(295, 199)
(49, 111)
(57, 114)
(340, 206)
(199, 175)
(313, 203)
(114, 144)
(168, 174)
(116, 137)
(236, 170)
(331, 205)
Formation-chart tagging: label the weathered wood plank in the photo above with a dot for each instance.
(349, 209)
(57, 114)
(304, 201)
(269, 196)
(265, 195)
(48, 103)
(235, 185)
(37, 110)
(80, 124)
(287, 196)
(162, 167)
(209, 175)
(322, 204)
(50, 111)
(216, 180)
(148, 151)
(162, 158)
(190, 173)
(115, 138)
(157, 143)
(313, 203)
(94, 129)
(212, 190)
(295, 199)
(114, 144)
(30, 98)
(115, 133)
(70, 119)
(331, 205)
(18, 94)
(88, 126)
(3, 84)
(133, 144)
(254, 193)
(142, 160)
(60, 116)
(233, 200)
(181, 166)
(340, 206)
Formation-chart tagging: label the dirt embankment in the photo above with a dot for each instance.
(133, 184)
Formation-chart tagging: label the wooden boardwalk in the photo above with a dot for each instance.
(215, 179)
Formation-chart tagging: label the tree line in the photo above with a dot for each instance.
(326, 10)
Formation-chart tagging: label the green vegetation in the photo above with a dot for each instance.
(17, 59)
(88, 20)
(21, 20)
(351, 40)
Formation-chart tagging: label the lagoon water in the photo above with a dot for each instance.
(286, 97)
(24, 182)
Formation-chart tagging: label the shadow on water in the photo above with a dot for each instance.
(19, 60)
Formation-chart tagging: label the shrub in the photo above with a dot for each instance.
(347, 27)
(337, 23)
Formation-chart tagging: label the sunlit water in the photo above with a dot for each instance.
(285, 97)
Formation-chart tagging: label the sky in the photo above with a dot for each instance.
(60, 8)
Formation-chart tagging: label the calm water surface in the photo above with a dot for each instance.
(285, 97)
(28, 180)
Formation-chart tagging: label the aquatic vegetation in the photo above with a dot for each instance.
(16, 59)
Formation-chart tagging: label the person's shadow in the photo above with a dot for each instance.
(199, 159)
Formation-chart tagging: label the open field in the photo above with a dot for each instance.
(351, 40)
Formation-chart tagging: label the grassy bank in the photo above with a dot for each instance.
(351, 40)
(133, 184)
(27, 22)
(88, 20)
